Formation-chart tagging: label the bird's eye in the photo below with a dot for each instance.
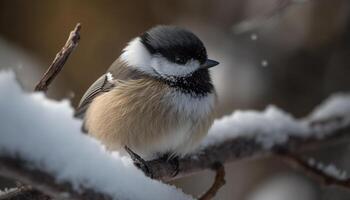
(180, 60)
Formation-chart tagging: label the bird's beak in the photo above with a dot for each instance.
(208, 64)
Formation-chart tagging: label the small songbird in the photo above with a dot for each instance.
(156, 98)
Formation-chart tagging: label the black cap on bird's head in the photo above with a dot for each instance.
(168, 52)
(177, 45)
(173, 55)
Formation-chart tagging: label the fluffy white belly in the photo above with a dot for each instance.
(194, 115)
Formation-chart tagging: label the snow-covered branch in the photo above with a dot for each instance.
(41, 144)
(42, 136)
(328, 175)
(250, 134)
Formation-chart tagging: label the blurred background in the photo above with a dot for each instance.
(291, 53)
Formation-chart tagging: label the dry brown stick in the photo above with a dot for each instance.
(317, 174)
(60, 60)
(219, 181)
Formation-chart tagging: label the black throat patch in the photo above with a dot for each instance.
(198, 84)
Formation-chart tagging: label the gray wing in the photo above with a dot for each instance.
(101, 85)
(117, 71)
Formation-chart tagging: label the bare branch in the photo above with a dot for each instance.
(60, 60)
(317, 174)
(219, 181)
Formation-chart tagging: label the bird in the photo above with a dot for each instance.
(157, 98)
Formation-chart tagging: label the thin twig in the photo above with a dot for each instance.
(317, 174)
(60, 60)
(219, 181)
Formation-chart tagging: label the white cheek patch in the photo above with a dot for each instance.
(167, 68)
(136, 55)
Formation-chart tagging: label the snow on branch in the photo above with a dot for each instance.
(41, 144)
(247, 134)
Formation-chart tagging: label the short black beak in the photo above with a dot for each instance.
(209, 63)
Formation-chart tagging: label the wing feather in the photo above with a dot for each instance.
(102, 84)
(118, 71)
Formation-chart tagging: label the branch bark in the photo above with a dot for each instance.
(317, 174)
(60, 60)
(219, 181)
(232, 150)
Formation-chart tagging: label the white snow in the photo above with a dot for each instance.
(270, 127)
(274, 126)
(254, 36)
(336, 105)
(264, 63)
(330, 169)
(44, 133)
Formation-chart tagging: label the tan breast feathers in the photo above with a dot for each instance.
(138, 113)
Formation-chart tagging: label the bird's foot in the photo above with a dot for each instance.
(139, 162)
(173, 161)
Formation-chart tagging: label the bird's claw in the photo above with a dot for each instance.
(174, 162)
(139, 162)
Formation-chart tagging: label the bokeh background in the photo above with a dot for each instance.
(291, 53)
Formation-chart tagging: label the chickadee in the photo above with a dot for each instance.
(156, 98)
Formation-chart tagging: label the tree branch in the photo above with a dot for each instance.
(243, 148)
(232, 150)
(219, 181)
(317, 174)
(60, 60)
